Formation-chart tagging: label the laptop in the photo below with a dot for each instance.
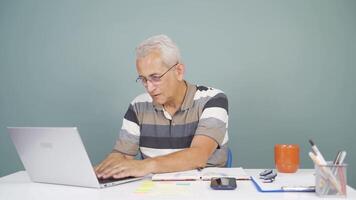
(57, 156)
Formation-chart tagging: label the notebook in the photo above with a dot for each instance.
(205, 174)
(58, 156)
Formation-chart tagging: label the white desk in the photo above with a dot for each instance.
(18, 186)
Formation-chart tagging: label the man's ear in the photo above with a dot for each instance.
(180, 69)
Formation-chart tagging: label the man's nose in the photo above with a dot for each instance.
(150, 87)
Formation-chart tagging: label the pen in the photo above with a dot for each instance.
(298, 188)
(337, 169)
(337, 158)
(341, 171)
(342, 157)
(317, 153)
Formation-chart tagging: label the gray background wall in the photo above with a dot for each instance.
(288, 68)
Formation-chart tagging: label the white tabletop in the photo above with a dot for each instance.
(18, 186)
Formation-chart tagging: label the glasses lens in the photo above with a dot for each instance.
(154, 79)
(140, 80)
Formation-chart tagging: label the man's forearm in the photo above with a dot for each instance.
(194, 157)
(187, 159)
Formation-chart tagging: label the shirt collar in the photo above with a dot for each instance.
(188, 98)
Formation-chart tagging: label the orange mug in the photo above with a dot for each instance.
(286, 157)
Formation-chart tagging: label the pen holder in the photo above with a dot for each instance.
(330, 180)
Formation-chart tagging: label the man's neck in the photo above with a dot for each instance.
(172, 106)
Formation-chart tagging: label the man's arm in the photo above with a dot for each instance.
(193, 157)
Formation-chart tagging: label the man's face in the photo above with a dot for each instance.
(152, 65)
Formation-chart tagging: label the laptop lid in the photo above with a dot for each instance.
(56, 155)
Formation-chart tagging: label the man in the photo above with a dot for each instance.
(176, 126)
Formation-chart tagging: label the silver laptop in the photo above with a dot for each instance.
(58, 156)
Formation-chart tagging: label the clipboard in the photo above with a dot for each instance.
(287, 182)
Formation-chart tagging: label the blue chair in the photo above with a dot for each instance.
(229, 158)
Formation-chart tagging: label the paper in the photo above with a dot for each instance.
(287, 180)
(150, 188)
(205, 174)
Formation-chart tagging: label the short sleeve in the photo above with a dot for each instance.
(128, 139)
(213, 121)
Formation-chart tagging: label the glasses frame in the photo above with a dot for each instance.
(155, 80)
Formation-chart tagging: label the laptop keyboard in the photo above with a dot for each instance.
(109, 180)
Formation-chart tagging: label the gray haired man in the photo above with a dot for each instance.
(175, 125)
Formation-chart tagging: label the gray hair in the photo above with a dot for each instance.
(168, 49)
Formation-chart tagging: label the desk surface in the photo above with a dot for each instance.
(18, 186)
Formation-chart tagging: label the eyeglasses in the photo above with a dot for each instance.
(154, 79)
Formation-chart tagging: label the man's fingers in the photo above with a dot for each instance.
(104, 166)
(110, 159)
(116, 166)
(121, 174)
(110, 172)
(97, 167)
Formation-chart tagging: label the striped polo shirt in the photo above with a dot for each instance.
(148, 128)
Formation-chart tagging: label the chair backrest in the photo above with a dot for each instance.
(229, 158)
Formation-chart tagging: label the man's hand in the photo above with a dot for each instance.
(128, 167)
(110, 161)
(117, 165)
